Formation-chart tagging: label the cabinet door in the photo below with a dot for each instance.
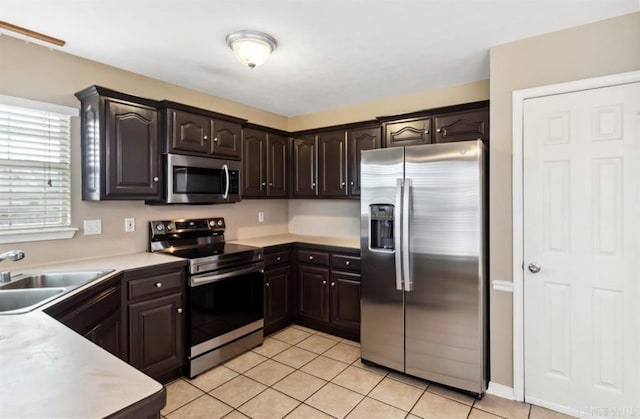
(332, 164)
(359, 140)
(304, 166)
(226, 139)
(96, 314)
(345, 300)
(108, 334)
(462, 126)
(277, 165)
(156, 340)
(132, 152)
(189, 132)
(313, 292)
(408, 132)
(276, 294)
(253, 163)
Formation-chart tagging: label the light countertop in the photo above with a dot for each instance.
(48, 370)
(266, 241)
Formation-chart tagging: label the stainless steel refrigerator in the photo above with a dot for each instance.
(424, 262)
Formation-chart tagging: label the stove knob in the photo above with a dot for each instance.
(212, 223)
(160, 227)
(220, 223)
(169, 227)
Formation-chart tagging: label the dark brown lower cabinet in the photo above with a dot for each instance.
(156, 318)
(345, 300)
(156, 335)
(313, 292)
(277, 313)
(95, 313)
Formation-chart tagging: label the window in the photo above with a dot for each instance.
(35, 174)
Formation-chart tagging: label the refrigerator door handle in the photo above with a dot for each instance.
(406, 269)
(397, 228)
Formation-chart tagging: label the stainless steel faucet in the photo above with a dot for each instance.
(11, 255)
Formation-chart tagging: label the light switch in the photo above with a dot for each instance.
(92, 227)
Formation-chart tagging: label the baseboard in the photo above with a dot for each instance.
(500, 391)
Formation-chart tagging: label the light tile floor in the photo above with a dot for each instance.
(302, 373)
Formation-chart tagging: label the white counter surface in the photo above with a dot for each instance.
(266, 241)
(48, 370)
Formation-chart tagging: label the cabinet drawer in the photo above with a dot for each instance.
(154, 285)
(276, 258)
(315, 257)
(345, 262)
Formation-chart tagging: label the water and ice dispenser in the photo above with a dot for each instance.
(381, 228)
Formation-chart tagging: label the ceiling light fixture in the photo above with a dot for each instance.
(251, 47)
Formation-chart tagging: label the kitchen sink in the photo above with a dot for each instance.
(19, 301)
(53, 280)
(27, 291)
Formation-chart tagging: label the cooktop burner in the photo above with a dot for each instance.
(202, 242)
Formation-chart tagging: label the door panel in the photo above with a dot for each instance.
(443, 303)
(382, 312)
(359, 140)
(226, 139)
(313, 297)
(332, 164)
(189, 132)
(277, 165)
(253, 159)
(304, 166)
(581, 171)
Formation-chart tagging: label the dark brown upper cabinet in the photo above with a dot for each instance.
(120, 146)
(265, 166)
(332, 164)
(305, 167)
(277, 165)
(189, 130)
(462, 126)
(358, 140)
(407, 132)
(254, 171)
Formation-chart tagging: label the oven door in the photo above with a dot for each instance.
(201, 180)
(225, 306)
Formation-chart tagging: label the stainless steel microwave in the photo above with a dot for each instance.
(201, 180)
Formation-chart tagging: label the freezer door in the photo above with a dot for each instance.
(444, 300)
(382, 313)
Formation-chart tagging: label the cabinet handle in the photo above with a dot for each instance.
(426, 131)
(342, 185)
(205, 137)
(270, 184)
(347, 263)
(158, 284)
(310, 257)
(313, 185)
(278, 258)
(324, 282)
(264, 183)
(179, 309)
(333, 284)
(215, 140)
(156, 179)
(352, 183)
(267, 284)
(439, 130)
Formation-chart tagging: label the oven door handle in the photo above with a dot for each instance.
(230, 273)
(226, 176)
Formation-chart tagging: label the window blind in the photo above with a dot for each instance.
(35, 178)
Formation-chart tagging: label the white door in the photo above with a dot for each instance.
(581, 207)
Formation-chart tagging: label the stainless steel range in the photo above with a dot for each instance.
(225, 295)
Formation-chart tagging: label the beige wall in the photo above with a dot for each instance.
(601, 48)
(315, 217)
(464, 93)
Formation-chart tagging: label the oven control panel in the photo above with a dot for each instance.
(175, 228)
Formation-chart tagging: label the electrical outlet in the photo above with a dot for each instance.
(129, 225)
(261, 216)
(92, 227)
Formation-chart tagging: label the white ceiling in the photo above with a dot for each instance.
(330, 53)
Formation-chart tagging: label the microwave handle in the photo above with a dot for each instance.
(226, 176)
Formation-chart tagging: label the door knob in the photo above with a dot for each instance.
(179, 310)
(156, 179)
(534, 267)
